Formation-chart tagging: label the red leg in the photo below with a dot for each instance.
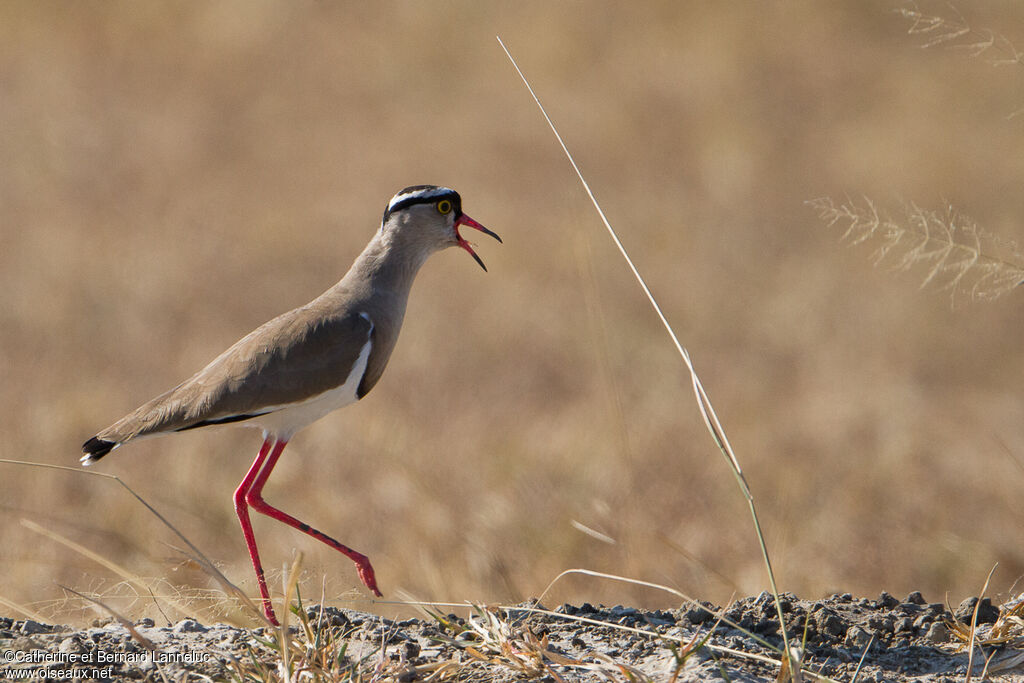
(254, 497)
(242, 510)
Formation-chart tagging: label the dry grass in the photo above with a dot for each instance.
(951, 251)
(174, 176)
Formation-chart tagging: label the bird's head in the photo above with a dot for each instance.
(431, 216)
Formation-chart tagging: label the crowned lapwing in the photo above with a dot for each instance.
(308, 362)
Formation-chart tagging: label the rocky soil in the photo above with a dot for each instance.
(899, 640)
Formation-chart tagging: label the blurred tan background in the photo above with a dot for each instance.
(173, 175)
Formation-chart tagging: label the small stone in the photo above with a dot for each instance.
(923, 621)
(71, 645)
(22, 643)
(987, 613)
(189, 626)
(145, 622)
(857, 638)
(883, 624)
(146, 663)
(29, 627)
(915, 597)
(938, 633)
(659, 618)
(830, 623)
(903, 625)
(887, 601)
(698, 615)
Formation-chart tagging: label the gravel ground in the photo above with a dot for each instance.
(905, 640)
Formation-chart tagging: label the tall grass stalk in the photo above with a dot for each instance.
(204, 562)
(711, 421)
(974, 626)
(129, 577)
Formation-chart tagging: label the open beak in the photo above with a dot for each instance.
(463, 219)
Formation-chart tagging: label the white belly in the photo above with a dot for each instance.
(284, 421)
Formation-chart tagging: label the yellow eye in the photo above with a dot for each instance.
(444, 206)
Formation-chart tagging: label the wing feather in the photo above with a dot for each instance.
(292, 358)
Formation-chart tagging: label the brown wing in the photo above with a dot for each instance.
(293, 357)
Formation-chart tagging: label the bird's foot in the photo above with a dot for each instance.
(268, 611)
(367, 576)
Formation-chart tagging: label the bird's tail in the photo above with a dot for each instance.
(95, 448)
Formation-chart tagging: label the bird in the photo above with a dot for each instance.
(308, 362)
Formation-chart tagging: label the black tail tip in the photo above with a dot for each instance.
(95, 448)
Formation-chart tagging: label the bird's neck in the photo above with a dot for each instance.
(387, 265)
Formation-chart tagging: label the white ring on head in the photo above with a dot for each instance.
(419, 194)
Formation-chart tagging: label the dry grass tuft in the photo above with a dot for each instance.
(1005, 636)
(955, 32)
(316, 652)
(955, 254)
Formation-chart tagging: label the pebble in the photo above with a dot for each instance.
(903, 625)
(620, 611)
(923, 621)
(71, 645)
(884, 624)
(829, 622)
(697, 615)
(660, 618)
(29, 627)
(886, 601)
(189, 626)
(987, 613)
(938, 633)
(857, 638)
(915, 598)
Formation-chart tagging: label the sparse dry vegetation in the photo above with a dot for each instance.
(945, 27)
(177, 176)
(953, 253)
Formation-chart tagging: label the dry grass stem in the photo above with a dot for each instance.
(132, 579)
(707, 411)
(22, 609)
(718, 615)
(1005, 636)
(204, 562)
(127, 623)
(860, 662)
